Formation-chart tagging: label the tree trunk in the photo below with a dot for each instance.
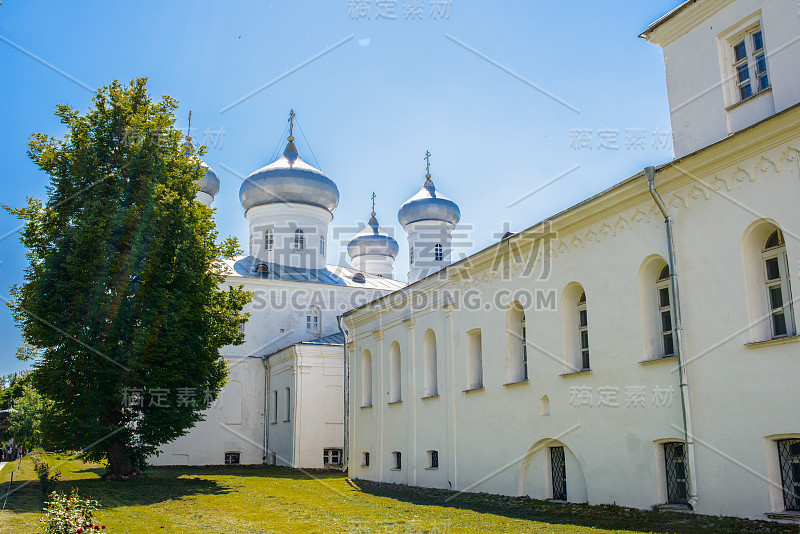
(119, 464)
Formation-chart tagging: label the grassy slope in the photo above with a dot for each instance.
(281, 500)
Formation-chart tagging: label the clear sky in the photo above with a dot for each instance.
(507, 96)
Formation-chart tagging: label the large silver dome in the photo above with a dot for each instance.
(289, 179)
(429, 205)
(372, 240)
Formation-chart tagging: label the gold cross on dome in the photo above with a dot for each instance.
(291, 122)
(427, 162)
(373, 203)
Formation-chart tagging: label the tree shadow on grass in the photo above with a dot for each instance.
(609, 517)
(26, 495)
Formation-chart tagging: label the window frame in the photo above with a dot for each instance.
(758, 78)
(433, 459)
(329, 454)
(438, 252)
(299, 242)
(322, 245)
(230, 456)
(781, 282)
(663, 284)
(269, 239)
(583, 333)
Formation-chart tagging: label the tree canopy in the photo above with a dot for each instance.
(123, 298)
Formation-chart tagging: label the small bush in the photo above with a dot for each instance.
(48, 478)
(70, 514)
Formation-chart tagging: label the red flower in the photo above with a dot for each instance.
(79, 530)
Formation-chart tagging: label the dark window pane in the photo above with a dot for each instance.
(761, 64)
(776, 297)
(669, 349)
(758, 41)
(663, 297)
(763, 82)
(745, 91)
(773, 272)
(794, 449)
(779, 324)
(664, 274)
(585, 360)
(582, 299)
(680, 471)
(582, 320)
(584, 339)
(739, 51)
(744, 72)
(666, 321)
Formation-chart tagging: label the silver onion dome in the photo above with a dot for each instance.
(289, 179)
(429, 205)
(209, 183)
(372, 240)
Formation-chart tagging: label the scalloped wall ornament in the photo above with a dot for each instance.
(740, 176)
(791, 157)
(591, 237)
(606, 231)
(763, 166)
(676, 201)
(639, 217)
(576, 242)
(697, 193)
(718, 184)
(621, 224)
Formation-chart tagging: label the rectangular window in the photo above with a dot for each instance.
(232, 458)
(665, 312)
(524, 350)
(332, 457)
(776, 286)
(312, 323)
(397, 460)
(583, 332)
(322, 245)
(558, 469)
(749, 63)
(433, 459)
(365, 459)
(677, 484)
(269, 240)
(789, 456)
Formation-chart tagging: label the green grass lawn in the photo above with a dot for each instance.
(279, 500)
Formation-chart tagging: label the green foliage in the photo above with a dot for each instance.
(31, 416)
(11, 386)
(70, 513)
(48, 477)
(123, 287)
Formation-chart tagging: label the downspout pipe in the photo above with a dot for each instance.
(346, 452)
(650, 174)
(265, 361)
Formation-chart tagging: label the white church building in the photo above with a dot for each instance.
(639, 348)
(283, 402)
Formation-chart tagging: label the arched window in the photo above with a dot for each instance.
(474, 359)
(299, 240)
(411, 256)
(269, 239)
(776, 271)
(366, 378)
(438, 253)
(769, 298)
(583, 332)
(664, 296)
(322, 245)
(516, 344)
(576, 331)
(429, 363)
(395, 383)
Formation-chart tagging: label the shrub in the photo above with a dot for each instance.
(69, 513)
(48, 478)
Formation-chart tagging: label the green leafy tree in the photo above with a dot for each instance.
(31, 416)
(11, 386)
(123, 298)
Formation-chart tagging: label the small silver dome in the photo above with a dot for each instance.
(210, 182)
(289, 179)
(429, 205)
(372, 240)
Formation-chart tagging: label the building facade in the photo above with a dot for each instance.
(640, 348)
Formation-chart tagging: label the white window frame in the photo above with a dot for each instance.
(322, 245)
(583, 328)
(781, 283)
(312, 322)
(664, 285)
(438, 252)
(299, 242)
(752, 60)
(231, 455)
(269, 239)
(330, 456)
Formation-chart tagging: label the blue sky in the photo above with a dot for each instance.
(505, 95)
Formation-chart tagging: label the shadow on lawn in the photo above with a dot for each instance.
(609, 517)
(165, 485)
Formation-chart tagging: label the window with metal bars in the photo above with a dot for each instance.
(232, 458)
(664, 295)
(749, 57)
(675, 464)
(397, 458)
(583, 332)
(779, 297)
(433, 459)
(558, 470)
(332, 457)
(789, 457)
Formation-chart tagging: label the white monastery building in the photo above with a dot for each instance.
(639, 348)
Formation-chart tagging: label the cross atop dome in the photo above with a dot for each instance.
(291, 125)
(427, 164)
